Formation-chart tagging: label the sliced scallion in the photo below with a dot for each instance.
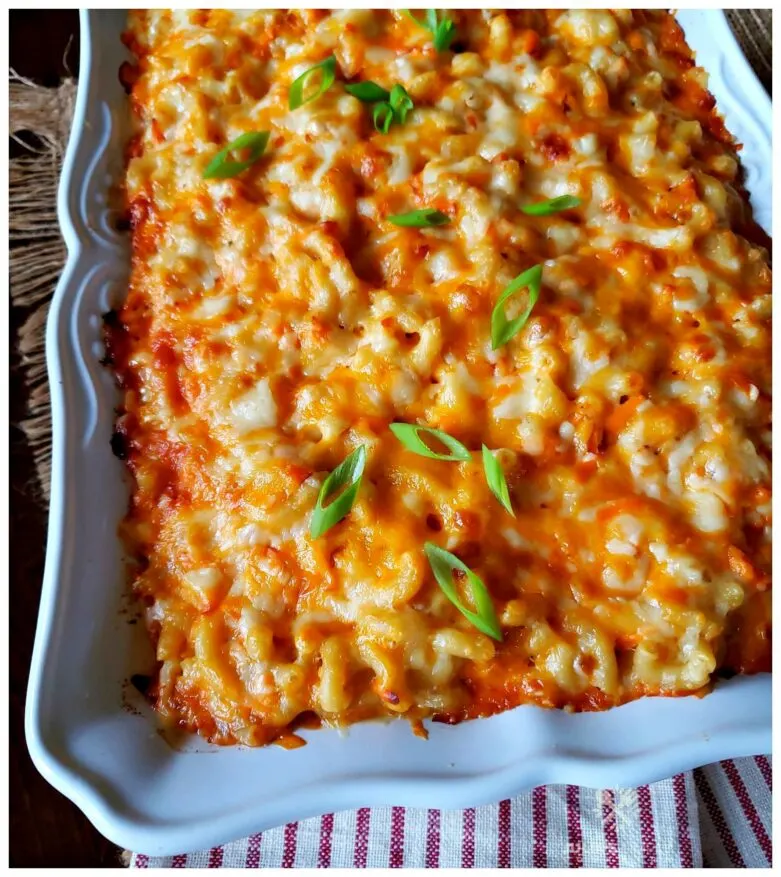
(442, 29)
(443, 563)
(425, 218)
(552, 205)
(409, 435)
(502, 329)
(221, 167)
(327, 70)
(382, 115)
(348, 473)
(401, 103)
(494, 476)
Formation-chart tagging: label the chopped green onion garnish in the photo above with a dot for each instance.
(442, 565)
(443, 35)
(389, 106)
(496, 480)
(409, 435)
(431, 14)
(368, 92)
(401, 103)
(553, 205)
(383, 117)
(327, 70)
(348, 472)
(425, 218)
(220, 167)
(443, 30)
(502, 329)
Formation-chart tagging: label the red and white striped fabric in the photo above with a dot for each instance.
(717, 816)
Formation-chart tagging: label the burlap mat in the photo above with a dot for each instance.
(37, 252)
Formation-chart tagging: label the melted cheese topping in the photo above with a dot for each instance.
(276, 320)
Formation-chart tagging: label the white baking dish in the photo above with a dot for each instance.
(135, 787)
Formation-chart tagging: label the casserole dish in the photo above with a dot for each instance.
(136, 787)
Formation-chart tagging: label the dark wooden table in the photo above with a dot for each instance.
(46, 830)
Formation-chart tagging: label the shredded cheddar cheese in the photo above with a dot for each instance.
(277, 320)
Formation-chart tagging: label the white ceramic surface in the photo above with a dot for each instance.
(138, 790)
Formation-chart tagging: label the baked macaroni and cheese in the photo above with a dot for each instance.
(445, 367)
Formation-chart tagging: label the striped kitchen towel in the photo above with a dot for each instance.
(716, 816)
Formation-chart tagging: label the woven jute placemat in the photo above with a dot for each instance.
(37, 252)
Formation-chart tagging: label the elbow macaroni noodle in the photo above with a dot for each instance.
(276, 320)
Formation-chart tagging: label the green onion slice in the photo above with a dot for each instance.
(502, 329)
(496, 480)
(327, 70)
(443, 35)
(442, 565)
(409, 435)
(552, 205)
(401, 103)
(425, 218)
(431, 15)
(383, 117)
(348, 472)
(443, 29)
(221, 167)
(368, 92)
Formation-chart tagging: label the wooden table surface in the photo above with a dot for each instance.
(46, 830)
